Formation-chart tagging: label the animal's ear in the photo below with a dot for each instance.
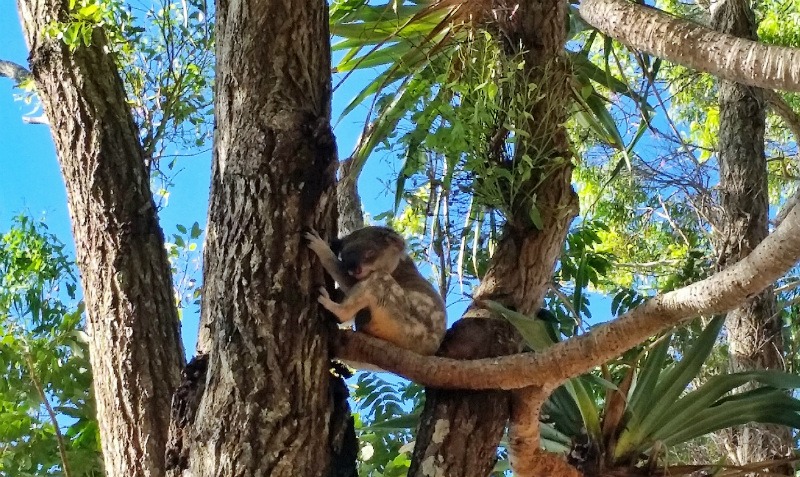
(394, 239)
(336, 246)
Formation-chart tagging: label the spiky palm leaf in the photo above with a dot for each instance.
(661, 408)
(418, 48)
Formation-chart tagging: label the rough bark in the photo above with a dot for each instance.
(700, 48)
(135, 346)
(754, 329)
(459, 431)
(267, 404)
(351, 217)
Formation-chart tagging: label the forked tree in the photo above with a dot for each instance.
(262, 401)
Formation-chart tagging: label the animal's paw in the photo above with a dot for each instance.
(310, 234)
(314, 241)
(325, 300)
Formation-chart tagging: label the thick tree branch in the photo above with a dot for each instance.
(792, 121)
(349, 201)
(719, 293)
(523, 429)
(14, 71)
(131, 318)
(782, 109)
(726, 56)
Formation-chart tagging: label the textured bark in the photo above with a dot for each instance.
(267, 405)
(351, 217)
(135, 346)
(754, 330)
(695, 46)
(459, 432)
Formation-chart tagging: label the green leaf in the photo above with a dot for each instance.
(533, 330)
(761, 405)
(402, 423)
(90, 12)
(715, 388)
(536, 217)
(642, 398)
(672, 383)
(590, 414)
(196, 231)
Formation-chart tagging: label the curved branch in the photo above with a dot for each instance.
(723, 291)
(792, 121)
(14, 71)
(62, 447)
(726, 56)
(785, 111)
(523, 429)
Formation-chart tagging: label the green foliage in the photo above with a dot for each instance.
(452, 105)
(44, 358)
(185, 260)
(165, 54)
(778, 22)
(85, 16)
(386, 423)
(583, 265)
(662, 404)
(466, 101)
(660, 411)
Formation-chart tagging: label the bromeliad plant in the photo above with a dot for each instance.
(654, 404)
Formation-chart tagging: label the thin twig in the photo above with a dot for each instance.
(62, 449)
(14, 71)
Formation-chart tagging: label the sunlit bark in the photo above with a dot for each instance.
(460, 431)
(267, 405)
(695, 46)
(132, 322)
(721, 292)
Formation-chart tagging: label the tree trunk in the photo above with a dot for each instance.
(459, 431)
(754, 330)
(135, 345)
(266, 409)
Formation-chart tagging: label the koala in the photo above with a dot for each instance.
(375, 273)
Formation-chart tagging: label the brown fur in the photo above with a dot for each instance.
(376, 274)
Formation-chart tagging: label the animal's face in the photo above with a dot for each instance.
(369, 249)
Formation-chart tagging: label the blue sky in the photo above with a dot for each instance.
(31, 181)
